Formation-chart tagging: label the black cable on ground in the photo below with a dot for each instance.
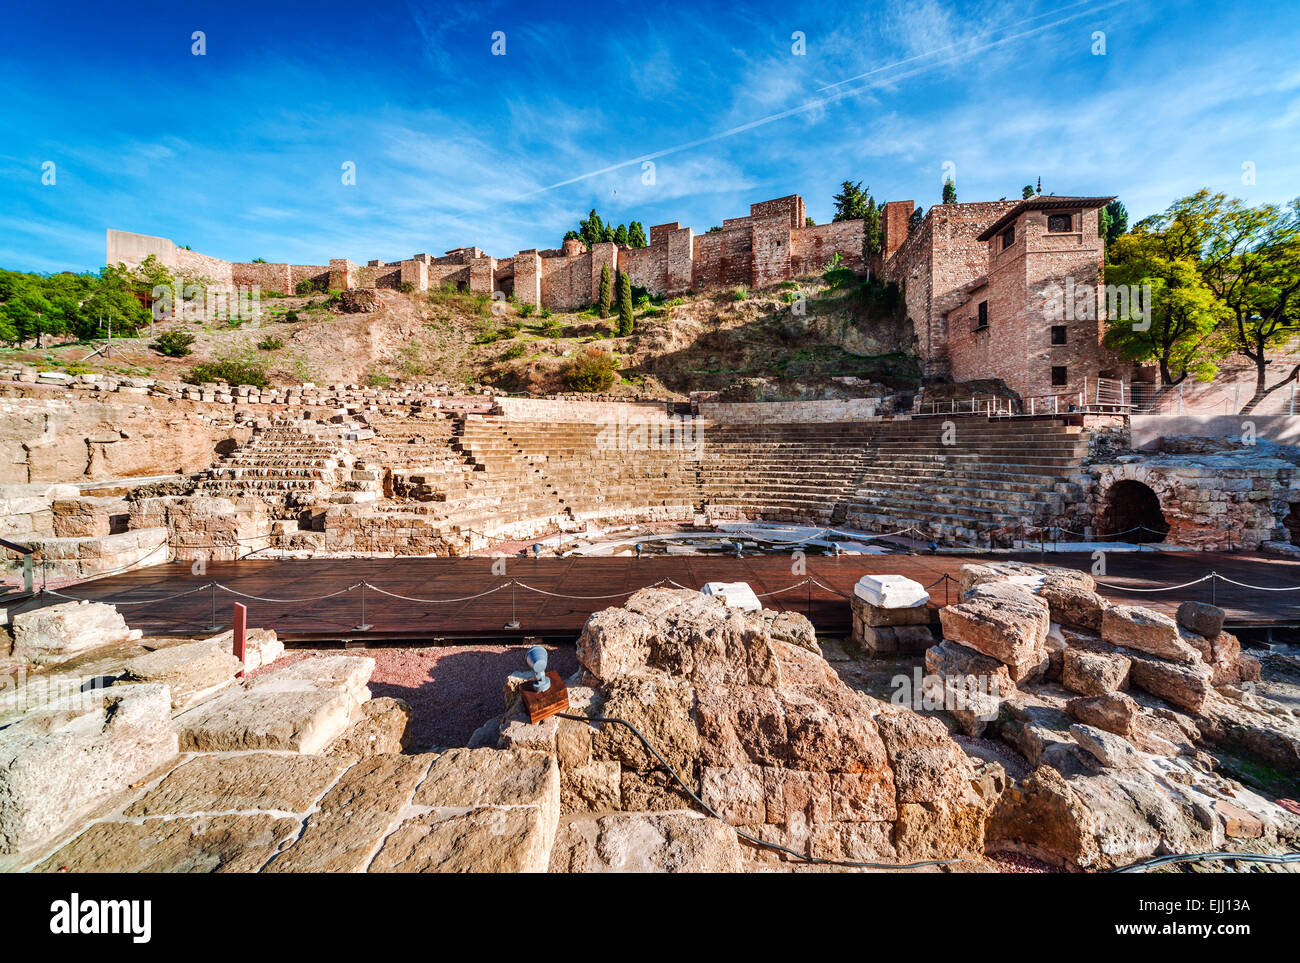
(1144, 864)
(741, 833)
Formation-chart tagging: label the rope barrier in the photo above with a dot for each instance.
(465, 598)
(313, 598)
(168, 598)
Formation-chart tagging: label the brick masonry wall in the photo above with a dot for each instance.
(1017, 346)
(646, 266)
(812, 248)
(723, 259)
(770, 246)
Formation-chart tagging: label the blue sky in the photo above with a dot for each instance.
(238, 153)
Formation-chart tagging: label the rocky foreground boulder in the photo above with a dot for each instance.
(1135, 725)
(755, 721)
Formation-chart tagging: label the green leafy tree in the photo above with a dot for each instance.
(620, 236)
(809, 222)
(636, 235)
(1250, 259)
(1116, 220)
(591, 229)
(604, 291)
(950, 192)
(873, 235)
(1027, 192)
(851, 202)
(625, 316)
(1183, 336)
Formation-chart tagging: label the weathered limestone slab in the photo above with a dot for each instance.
(300, 708)
(191, 844)
(192, 670)
(58, 762)
(1107, 748)
(949, 660)
(357, 812)
(658, 842)
(1072, 604)
(1147, 631)
(349, 673)
(1004, 622)
(487, 839)
(891, 592)
(1113, 711)
(56, 633)
(1093, 673)
(734, 594)
(1185, 684)
(495, 777)
(285, 782)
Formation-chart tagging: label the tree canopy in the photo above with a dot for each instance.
(1224, 279)
(593, 230)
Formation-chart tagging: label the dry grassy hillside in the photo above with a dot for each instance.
(787, 341)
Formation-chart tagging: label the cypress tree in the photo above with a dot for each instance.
(604, 291)
(624, 304)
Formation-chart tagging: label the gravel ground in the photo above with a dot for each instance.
(453, 689)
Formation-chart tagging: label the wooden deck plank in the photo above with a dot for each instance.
(151, 608)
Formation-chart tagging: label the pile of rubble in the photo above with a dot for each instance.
(1118, 713)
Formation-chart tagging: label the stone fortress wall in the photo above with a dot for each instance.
(769, 245)
(949, 269)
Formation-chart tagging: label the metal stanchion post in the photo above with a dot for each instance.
(364, 626)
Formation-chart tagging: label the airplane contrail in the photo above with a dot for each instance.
(966, 50)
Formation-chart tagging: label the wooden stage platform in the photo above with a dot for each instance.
(170, 600)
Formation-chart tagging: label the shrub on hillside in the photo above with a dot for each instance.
(590, 370)
(228, 372)
(270, 343)
(174, 344)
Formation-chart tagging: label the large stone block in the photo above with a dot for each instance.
(1147, 631)
(300, 708)
(1186, 684)
(58, 762)
(891, 592)
(357, 812)
(192, 670)
(659, 842)
(1112, 711)
(227, 843)
(1005, 622)
(1201, 618)
(57, 633)
(1093, 673)
(485, 839)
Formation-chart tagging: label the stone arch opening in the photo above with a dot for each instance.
(1133, 505)
(1292, 523)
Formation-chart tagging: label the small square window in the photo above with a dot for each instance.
(1060, 223)
(1058, 334)
(1008, 237)
(1060, 376)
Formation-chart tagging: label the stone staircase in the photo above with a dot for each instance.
(290, 465)
(782, 472)
(999, 479)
